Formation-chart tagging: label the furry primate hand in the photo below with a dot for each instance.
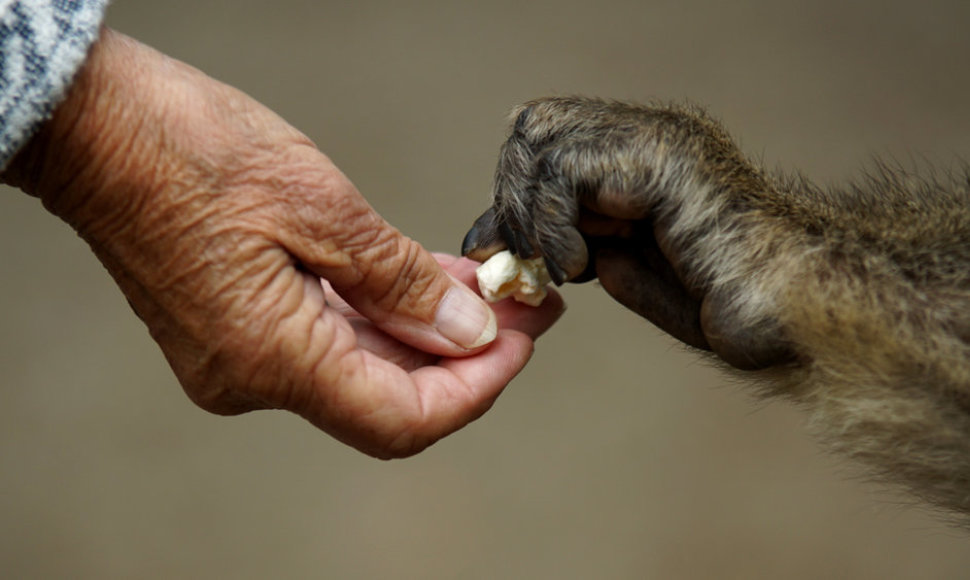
(854, 302)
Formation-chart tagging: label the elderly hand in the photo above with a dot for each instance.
(218, 221)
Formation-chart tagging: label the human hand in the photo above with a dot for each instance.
(218, 221)
(647, 199)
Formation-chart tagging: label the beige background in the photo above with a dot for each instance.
(614, 455)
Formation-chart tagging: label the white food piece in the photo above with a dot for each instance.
(505, 274)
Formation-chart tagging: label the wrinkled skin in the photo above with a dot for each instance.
(262, 273)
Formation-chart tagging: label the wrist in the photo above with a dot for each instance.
(60, 159)
(96, 158)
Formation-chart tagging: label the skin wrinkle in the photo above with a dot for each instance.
(468, 390)
(216, 216)
(374, 251)
(406, 442)
(131, 151)
(387, 250)
(286, 312)
(192, 218)
(209, 284)
(260, 286)
(108, 218)
(79, 171)
(428, 394)
(182, 220)
(429, 388)
(326, 367)
(163, 225)
(394, 298)
(246, 178)
(373, 339)
(343, 251)
(357, 400)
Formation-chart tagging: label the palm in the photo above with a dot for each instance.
(370, 338)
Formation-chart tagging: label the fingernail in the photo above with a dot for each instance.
(465, 319)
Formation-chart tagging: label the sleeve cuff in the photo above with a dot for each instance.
(42, 45)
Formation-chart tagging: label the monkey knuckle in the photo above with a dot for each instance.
(531, 113)
(522, 115)
(544, 119)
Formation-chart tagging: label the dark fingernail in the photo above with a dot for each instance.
(557, 274)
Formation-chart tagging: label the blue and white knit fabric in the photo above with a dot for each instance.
(42, 45)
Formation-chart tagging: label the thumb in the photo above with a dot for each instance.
(388, 278)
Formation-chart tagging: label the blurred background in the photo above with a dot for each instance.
(615, 454)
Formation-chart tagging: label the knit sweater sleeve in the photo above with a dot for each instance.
(42, 45)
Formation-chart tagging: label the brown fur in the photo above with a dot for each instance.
(853, 302)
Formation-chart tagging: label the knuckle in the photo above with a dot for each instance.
(539, 120)
(522, 114)
(395, 274)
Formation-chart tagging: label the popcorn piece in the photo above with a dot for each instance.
(505, 274)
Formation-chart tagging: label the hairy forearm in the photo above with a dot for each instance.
(852, 301)
(865, 288)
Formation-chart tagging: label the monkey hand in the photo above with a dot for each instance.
(653, 202)
(856, 296)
